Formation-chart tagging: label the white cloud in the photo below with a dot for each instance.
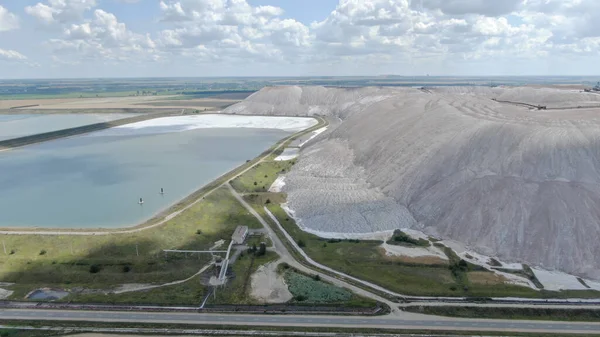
(103, 38)
(230, 31)
(460, 7)
(8, 20)
(374, 32)
(12, 55)
(60, 11)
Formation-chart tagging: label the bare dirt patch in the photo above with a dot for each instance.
(268, 286)
(481, 277)
(427, 260)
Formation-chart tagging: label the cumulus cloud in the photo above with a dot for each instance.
(60, 11)
(374, 31)
(460, 7)
(230, 30)
(11, 55)
(103, 37)
(8, 20)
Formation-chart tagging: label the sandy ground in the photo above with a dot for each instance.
(313, 135)
(268, 286)
(277, 184)
(288, 154)
(4, 294)
(431, 251)
(555, 280)
(192, 122)
(117, 103)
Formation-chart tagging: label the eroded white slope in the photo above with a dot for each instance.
(507, 181)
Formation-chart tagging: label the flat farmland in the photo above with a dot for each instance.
(130, 102)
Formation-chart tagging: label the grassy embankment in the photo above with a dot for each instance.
(365, 259)
(46, 136)
(105, 261)
(175, 94)
(543, 314)
(66, 261)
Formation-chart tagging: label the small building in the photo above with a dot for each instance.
(240, 234)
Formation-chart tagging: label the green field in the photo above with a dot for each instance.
(65, 261)
(308, 289)
(261, 177)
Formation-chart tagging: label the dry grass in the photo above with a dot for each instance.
(482, 277)
(422, 260)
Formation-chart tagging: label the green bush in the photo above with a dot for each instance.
(404, 239)
(313, 290)
(95, 268)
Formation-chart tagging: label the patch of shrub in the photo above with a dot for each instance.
(301, 243)
(199, 231)
(402, 238)
(95, 268)
(126, 269)
(12, 252)
(43, 252)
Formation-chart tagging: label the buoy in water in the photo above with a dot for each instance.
(162, 191)
(141, 201)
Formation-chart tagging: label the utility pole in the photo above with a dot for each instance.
(137, 252)
(4, 245)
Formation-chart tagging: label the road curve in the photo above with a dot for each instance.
(386, 322)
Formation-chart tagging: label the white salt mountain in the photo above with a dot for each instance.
(508, 181)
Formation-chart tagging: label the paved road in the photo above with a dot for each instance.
(287, 257)
(389, 322)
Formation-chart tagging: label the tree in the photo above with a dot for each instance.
(262, 250)
(317, 278)
(95, 268)
(268, 201)
(301, 243)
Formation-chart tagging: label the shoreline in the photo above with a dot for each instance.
(178, 206)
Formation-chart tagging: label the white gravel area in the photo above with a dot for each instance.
(288, 154)
(555, 280)
(393, 250)
(505, 180)
(185, 123)
(313, 135)
(268, 286)
(4, 293)
(277, 185)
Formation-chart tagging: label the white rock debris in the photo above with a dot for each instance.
(504, 180)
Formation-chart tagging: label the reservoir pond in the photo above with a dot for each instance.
(96, 180)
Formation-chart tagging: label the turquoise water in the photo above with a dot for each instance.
(19, 125)
(96, 180)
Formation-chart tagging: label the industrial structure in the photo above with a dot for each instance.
(239, 235)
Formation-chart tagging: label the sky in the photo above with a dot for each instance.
(173, 38)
